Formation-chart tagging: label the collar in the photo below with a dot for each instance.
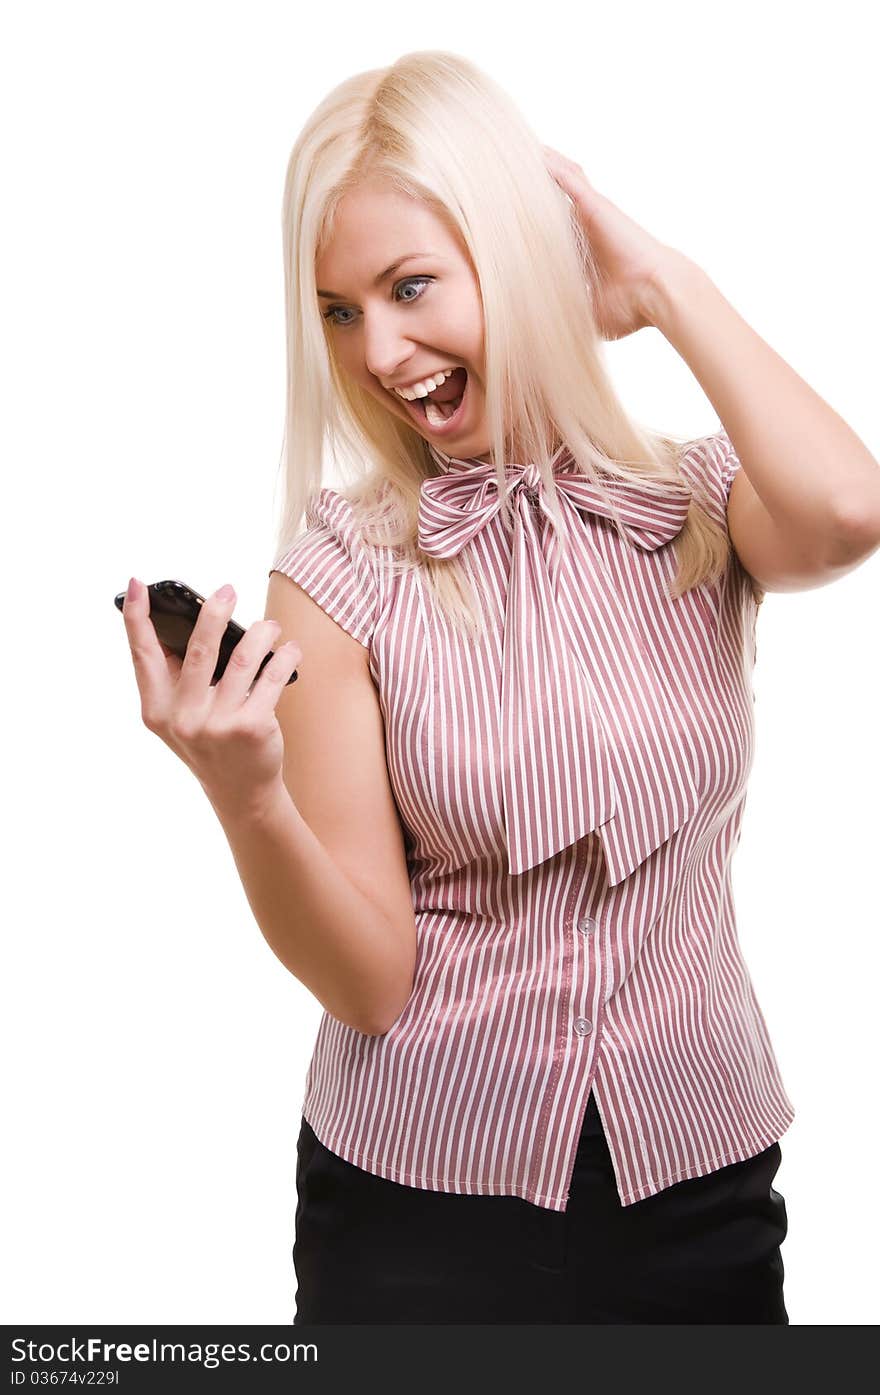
(590, 742)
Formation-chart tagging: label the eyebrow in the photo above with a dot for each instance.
(383, 275)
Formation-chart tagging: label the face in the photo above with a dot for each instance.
(424, 316)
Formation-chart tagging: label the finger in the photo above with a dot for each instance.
(272, 682)
(563, 177)
(244, 661)
(151, 670)
(566, 171)
(558, 161)
(175, 663)
(203, 649)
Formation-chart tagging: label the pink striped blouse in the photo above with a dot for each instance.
(571, 792)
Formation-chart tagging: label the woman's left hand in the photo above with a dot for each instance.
(628, 260)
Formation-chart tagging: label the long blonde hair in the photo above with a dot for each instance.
(435, 128)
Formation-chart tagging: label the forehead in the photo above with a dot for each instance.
(373, 226)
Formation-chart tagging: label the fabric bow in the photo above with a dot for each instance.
(589, 739)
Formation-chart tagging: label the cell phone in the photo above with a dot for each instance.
(174, 609)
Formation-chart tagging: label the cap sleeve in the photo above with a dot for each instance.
(331, 564)
(712, 462)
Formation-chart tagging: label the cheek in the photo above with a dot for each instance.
(350, 364)
(462, 331)
(476, 333)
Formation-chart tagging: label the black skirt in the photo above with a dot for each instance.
(704, 1250)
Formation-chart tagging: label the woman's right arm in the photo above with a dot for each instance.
(298, 779)
(322, 928)
(323, 863)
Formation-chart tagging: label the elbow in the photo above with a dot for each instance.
(374, 1031)
(370, 1028)
(381, 1021)
(364, 1026)
(366, 1020)
(379, 1025)
(858, 535)
(369, 1023)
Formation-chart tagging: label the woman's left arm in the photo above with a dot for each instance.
(806, 504)
(805, 507)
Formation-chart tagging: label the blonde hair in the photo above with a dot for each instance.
(435, 128)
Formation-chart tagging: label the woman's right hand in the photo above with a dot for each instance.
(229, 737)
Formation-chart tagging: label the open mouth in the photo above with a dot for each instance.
(444, 416)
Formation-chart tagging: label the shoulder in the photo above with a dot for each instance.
(330, 509)
(330, 524)
(331, 563)
(710, 465)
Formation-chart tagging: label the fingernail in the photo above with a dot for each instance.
(134, 588)
(225, 593)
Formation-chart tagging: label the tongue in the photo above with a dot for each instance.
(452, 388)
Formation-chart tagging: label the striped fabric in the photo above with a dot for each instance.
(571, 792)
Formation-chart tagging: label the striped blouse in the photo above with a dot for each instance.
(571, 791)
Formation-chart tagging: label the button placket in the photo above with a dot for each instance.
(587, 925)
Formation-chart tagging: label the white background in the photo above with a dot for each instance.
(155, 1050)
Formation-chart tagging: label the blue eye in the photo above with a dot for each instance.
(410, 281)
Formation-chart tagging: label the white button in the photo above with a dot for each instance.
(587, 925)
(582, 1025)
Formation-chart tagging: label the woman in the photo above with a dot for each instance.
(491, 825)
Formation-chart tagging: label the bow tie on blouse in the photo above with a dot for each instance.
(589, 740)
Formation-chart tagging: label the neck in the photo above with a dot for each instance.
(443, 459)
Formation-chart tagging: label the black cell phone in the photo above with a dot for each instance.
(174, 609)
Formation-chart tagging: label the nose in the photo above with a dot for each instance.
(386, 350)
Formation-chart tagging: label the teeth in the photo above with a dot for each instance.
(425, 386)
